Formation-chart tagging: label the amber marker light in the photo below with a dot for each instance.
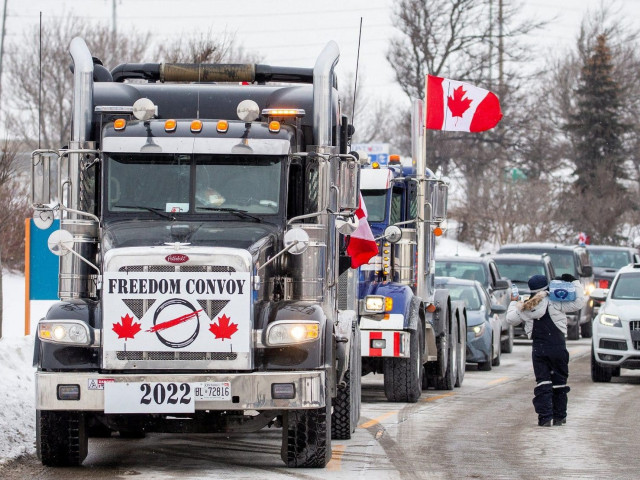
(437, 231)
(170, 125)
(196, 126)
(375, 165)
(222, 126)
(431, 308)
(119, 124)
(274, 127)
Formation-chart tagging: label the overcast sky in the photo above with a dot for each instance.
(293, 32)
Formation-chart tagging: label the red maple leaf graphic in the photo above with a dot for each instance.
(223, 329)
(126, 329)
(458, 104)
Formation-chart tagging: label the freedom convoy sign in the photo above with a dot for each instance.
(167, 312)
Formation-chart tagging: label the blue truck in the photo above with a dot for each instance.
(411, 332)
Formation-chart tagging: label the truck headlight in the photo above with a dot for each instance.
(64, 331)
(377, 304)
(610, 320)
(291, 332)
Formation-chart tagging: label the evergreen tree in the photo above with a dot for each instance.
(596, 125)
(598, 198)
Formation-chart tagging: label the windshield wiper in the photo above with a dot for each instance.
(240, 213)
(157, 211)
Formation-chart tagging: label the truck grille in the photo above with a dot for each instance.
(185, 356)
(176, 268)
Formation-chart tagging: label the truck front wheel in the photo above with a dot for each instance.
(403, 376)
(61, 438)
(448, 345)
(306, 437)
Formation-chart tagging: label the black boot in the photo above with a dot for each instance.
(558, 422)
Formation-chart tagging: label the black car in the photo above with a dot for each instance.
(606, 261)
(484, 270)
(519, 267)
(573, 259)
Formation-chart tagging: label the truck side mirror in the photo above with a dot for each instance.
(349, 185)
(347, 224)
(41, 176)
(392, 234)
(439, 201)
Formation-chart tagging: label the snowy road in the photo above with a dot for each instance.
(486, 429)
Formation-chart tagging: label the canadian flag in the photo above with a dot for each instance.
(459, 106)
(362, 245)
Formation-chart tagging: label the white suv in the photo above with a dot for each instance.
(616, 328)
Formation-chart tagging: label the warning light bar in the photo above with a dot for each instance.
(283, 112)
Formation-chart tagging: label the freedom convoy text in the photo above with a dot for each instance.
(163, 286)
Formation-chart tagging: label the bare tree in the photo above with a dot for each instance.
(206, 48)
(42, 110)
(14, 209)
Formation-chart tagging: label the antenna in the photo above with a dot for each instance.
(355, 86)
(40, 84)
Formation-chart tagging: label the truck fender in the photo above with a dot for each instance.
(343, 333)
(442, 302)
(402, 296)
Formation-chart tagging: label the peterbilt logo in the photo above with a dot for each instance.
(176, 258)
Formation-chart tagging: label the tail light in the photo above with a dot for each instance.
(603, 283)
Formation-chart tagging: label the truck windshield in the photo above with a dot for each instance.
(376, 203)
(193, 183)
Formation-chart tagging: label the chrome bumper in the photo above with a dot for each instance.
(252, 391)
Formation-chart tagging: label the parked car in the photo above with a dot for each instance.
(483, 324)
(616, 328)
(606, 261)
(573, 259)
(484, 270)
(518, 267)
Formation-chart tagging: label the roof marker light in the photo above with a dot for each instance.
(196, 126)
(394, 159)
(119, 124)
(274, 127)
(170, 125)
(375, 165)
(222, 126)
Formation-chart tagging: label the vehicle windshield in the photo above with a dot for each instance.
(466, 293)
(193, 183)
(466, 270)
(376, 203)
(519, 272)
(627, 287)
(609, 258)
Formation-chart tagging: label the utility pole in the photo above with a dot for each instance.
(113, 18)
(500, 51)
(4, 22)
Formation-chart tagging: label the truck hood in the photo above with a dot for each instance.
(236, 234)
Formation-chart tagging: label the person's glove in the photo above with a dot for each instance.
(567, 277)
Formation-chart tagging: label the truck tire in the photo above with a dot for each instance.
(573, 332)
(346, 405)
(599, 373)
(306, 437)
(449, 343)
(462, 353)
(586, 329)
(403, 376)
(507, 345)
(61, 438)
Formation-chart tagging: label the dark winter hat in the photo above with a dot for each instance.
(537, 283)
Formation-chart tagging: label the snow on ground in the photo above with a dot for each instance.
(17, 394)
(17, 401)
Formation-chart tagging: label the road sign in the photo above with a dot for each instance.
(377, 152)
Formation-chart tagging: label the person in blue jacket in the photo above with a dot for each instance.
(545, 322)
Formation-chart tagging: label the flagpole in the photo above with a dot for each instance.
(418, 134)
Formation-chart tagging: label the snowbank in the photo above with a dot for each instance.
(17, 402)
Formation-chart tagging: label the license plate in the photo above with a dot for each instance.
(149, 397)
(213, 391)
